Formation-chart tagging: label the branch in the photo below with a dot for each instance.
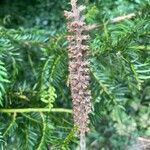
(10, 125)
(28, 110)
(124, 17)
(115, 20)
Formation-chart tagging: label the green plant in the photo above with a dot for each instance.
(35, 96)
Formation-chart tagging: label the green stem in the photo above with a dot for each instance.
(41, 143)
(10, 125)
(28, 110)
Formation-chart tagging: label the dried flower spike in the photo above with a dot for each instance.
(78, 69)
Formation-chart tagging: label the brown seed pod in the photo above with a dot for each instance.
(68, 15)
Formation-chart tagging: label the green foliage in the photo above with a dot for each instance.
(3, 80)
(31, 13)
(34, 74)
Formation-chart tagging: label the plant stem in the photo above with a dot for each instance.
(82, 142)
(28, 110)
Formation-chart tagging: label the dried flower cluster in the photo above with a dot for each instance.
(78, 66)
